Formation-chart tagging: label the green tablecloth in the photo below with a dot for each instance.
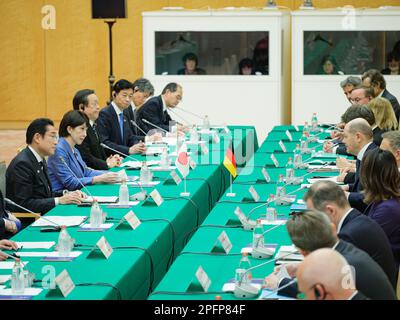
(219, 267)
(134, 270)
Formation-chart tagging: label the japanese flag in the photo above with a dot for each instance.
(182, 161)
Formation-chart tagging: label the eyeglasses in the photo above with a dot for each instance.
(55, 137)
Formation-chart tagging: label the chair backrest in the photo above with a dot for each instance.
(3, 177)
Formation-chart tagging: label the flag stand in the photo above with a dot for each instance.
(231, 193)
(185, 193)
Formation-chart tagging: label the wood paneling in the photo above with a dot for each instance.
(42, 69)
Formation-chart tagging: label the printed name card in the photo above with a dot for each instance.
(203, 278)
(204, 149)
(254, 194)
(65, 283)
(225, 242)
(266, 175)
(132, 220)
(289, 135)
(192, 163)
(104, 247)
(175, 177)
(276, 163)
(156, 196)
(216, 138)
(283, 147)
(240, 214)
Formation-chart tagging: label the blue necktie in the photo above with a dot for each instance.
(121, 125)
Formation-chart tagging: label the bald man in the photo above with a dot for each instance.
(325, 275)
(358, 138)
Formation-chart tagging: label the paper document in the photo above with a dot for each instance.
(68, 221)
(27, 292)
(36, 245)
(4, 278)
(8, 265)
(169, 168)
(72, 254)
(102, 199)
(333, 179)
(102, 226)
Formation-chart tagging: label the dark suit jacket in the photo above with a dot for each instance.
(387, 215)
(27, 185)
(359, 296)
(395, 104)
(131, 115)
(152, 111)
(91, 151)
(358, 229)
(356, 197)
(369, 276)
(377, 139)
(110, 134)
(3, 215)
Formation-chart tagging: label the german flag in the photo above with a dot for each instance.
(230, 162)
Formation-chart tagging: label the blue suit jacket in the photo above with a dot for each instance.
(110, 134)
(356, 198)
(358, 229)
(153, 112)
(61, 177)
(387, 215)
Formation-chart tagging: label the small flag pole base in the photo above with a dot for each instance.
(185, 194)
(231, 194)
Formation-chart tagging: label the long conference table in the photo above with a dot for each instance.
(200, 250)
(141, 257)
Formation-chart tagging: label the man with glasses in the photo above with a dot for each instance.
(155, 110)
(375, 80)
(27, 179)
(142, 90)
(361, 95)
(113, 125)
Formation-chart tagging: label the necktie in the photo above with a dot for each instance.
(43, 166)
(121, 125)
(95, 130)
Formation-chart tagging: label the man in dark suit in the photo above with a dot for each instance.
(113, 127)
(320, 277)
(358, 140)
(155, 110)
(142, 90)
(353, 226)
(391, 142)
(91, 151)
(373, 78)
(312, 230)
(27, 179)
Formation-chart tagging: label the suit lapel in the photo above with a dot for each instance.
(38, 171)
(116, 121)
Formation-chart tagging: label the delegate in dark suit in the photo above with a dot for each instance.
(3, 215)
(28, 185)
(153, 112)
(110, 134)
(387, 215)
(91, 151)
(131, 115)
(377, 139)
(370, 279)
(355, 196)
(393, 100)
(358, 229)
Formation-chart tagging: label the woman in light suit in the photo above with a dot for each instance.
(72, 132)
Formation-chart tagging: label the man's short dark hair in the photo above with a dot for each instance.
(375, 77)
(122, 85)
(37, 126)
(190, 56)
(172, 87)
(358, 111)
(81, 97)
(73, 118)
(323, 192)
(354, 81)
(143, 85)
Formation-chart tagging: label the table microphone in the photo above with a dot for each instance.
(155, 126)
(190, 112)
(74, 175)
(125, 155)
(263, 252)
(247, 290)
(137, 126)
(56, 226)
